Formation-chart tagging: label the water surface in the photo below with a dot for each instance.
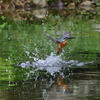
(30, 67)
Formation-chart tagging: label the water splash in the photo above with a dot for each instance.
(53, 63)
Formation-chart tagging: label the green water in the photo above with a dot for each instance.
(29, 64)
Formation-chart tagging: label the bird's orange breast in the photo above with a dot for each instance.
(62, 44)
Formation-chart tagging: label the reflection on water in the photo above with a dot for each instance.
(85, 88)
(61, 85)
(79, 86)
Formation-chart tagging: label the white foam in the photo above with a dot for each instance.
(53, 63)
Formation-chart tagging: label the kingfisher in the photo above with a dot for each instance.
(62, 41)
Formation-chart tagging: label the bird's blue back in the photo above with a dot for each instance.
(63, 36)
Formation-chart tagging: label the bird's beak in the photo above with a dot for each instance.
(69, 37)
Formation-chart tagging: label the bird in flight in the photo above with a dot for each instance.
(61, 42)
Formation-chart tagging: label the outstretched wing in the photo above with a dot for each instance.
(52, 38)
(63, 36)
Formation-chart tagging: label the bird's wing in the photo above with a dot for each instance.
(52, 38)
(63, 36)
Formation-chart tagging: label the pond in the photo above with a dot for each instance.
(31, 69)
